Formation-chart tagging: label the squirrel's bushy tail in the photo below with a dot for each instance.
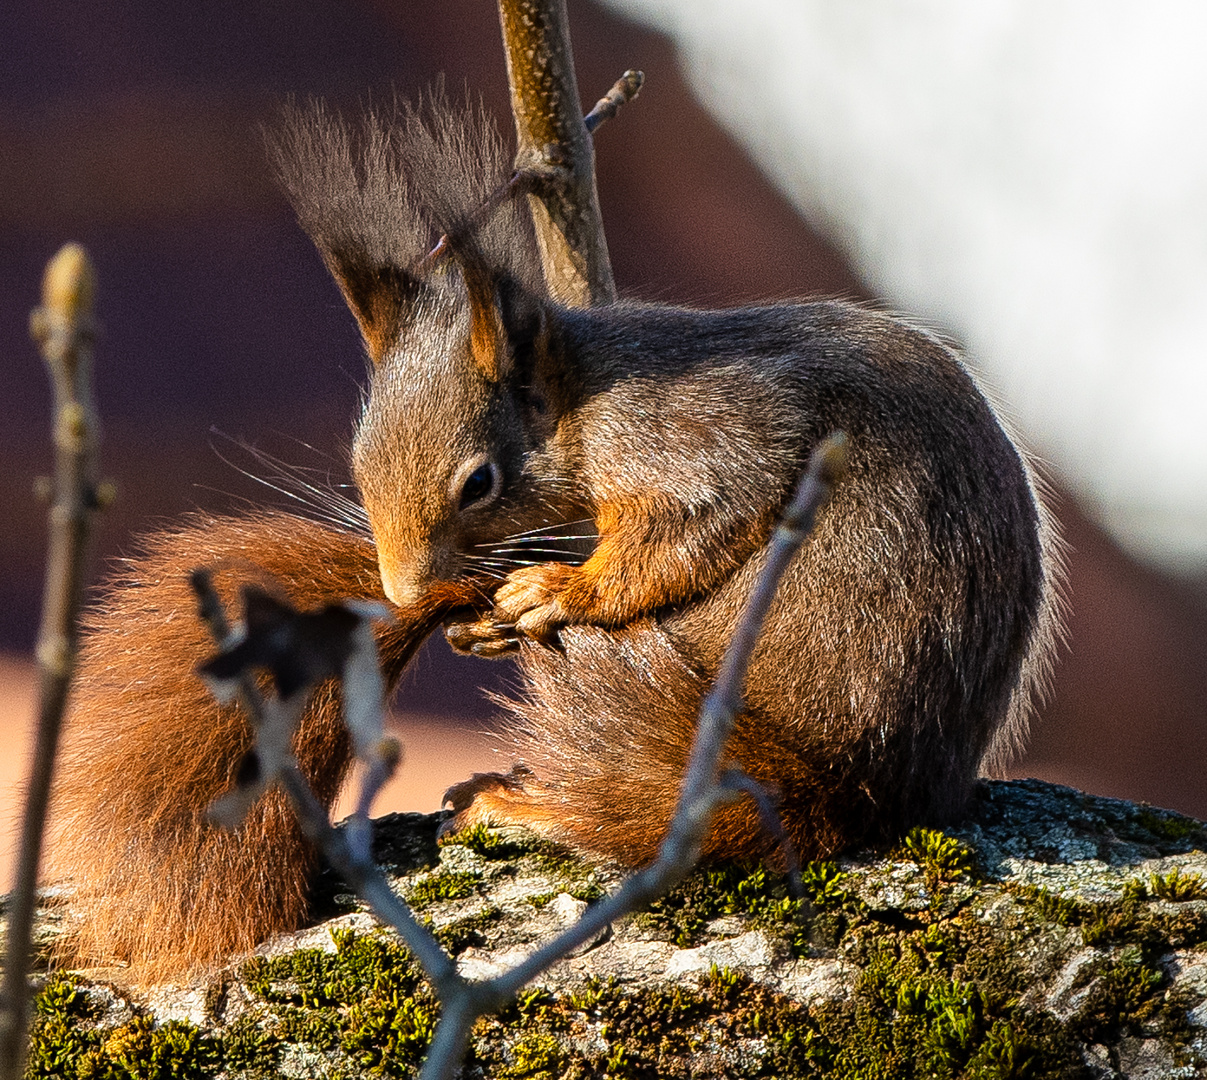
(147, 750)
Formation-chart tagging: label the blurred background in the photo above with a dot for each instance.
(1029, 183)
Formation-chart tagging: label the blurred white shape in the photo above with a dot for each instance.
(1029, 175)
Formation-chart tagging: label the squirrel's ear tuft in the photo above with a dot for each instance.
(375, 196)
(351, 193)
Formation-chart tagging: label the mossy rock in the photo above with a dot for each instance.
(1050, 934)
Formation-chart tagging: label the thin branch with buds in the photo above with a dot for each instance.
(536, 180)
(63, 329)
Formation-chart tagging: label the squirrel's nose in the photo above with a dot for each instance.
(403, 580)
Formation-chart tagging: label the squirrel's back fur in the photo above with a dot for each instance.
(900, 657)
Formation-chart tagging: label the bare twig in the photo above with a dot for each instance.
(703, 789)
(624, 90)
(63, 329)
(515, 185)
(554, 146)
(535, 179)
(736, 780)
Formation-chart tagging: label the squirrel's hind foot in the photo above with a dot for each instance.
(511, 798)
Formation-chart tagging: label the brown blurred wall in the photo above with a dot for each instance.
(134, 127)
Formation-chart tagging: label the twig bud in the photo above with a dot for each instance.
(624, 90)
(69, 284)
(105, 494)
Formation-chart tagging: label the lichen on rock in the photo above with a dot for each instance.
(1049, 934)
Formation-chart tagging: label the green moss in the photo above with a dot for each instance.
(1016, 1051)
(63, 1042)
(443, 885)
(1123, 1000)
(1170, 826)
(722, 980)
(61, 996)
(366, 998)
(306, 978)
(1177, 886)
(1053, 907)
(538, 1055)
(910, 1012)
(140, 1051)
(1127, 995)
(317, 1027)
(56, 1040)
(942, 858)
(571, 874)
(725, 1026)
(751, 890)
(487, 842)
(663, 1031)
(923, 1007)
(682, 914)
(314, 978)
(1126, 921)
(250, 1051)
(938, 998)
(389, 1031)
(826, 885)
(587, 997)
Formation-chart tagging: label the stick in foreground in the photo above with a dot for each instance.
(63, 330)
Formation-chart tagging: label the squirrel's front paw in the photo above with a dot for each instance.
(529, 600)
(486, 637)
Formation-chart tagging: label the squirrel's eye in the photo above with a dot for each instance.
(481, 482)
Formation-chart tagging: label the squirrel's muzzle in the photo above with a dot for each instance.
(405, 579)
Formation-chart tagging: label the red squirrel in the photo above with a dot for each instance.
(590, 490)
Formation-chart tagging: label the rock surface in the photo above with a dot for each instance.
(1050, 934)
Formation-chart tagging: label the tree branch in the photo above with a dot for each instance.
(63, 329)
(347, 852)
(703, 786)
(554, 147)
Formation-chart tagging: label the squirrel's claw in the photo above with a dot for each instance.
(490, 649)
(542, 623)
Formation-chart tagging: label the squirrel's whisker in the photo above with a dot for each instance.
(550, 528)
(540, 551)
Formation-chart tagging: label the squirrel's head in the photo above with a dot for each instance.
(454, 451)
(456, 447)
